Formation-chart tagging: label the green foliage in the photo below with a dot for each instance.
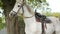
(1, 24)
(43, 0)
(48, 13)
(1, 3)
(35, 3)
(21, 22)
(8, 4)
(0, 20)
(55, 14)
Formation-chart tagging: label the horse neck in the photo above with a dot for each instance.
(28, 14)
(27, 11)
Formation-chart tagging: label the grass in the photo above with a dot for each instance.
(2, 25)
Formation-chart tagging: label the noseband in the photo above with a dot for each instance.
(21, 6)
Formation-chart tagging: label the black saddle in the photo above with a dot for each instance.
(40, 17)
(47, 20)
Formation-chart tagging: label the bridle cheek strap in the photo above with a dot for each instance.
(23, 13)
(21, 6)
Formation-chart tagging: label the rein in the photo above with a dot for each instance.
(23, 10)
(21, 6)
(28, 10)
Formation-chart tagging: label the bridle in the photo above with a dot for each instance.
(21, 6)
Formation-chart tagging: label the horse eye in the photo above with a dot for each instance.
(18, 5)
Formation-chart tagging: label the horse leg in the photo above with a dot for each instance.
(54, 32)
(29, 32)
(50, 28)
(57, 32)
(37, 32)
(57, 29)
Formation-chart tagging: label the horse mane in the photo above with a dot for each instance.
(29, 9)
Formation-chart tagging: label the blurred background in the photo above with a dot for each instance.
(7, 24)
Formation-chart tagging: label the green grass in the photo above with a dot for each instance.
(2, 25)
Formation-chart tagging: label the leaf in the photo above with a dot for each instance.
(1, 3)
(0, 19)
(43, 0)
(30, 0)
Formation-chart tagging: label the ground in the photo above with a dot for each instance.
(3, 31)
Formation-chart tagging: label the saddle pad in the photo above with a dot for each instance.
(37, 19)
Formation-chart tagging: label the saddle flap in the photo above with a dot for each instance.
(37, 17)
(47, 20)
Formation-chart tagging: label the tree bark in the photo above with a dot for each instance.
(11, 23)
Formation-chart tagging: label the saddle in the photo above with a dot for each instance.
(40, 17)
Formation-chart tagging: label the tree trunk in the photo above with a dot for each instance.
(11, 23)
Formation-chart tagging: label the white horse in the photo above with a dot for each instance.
(57, 26)
(31, 26)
